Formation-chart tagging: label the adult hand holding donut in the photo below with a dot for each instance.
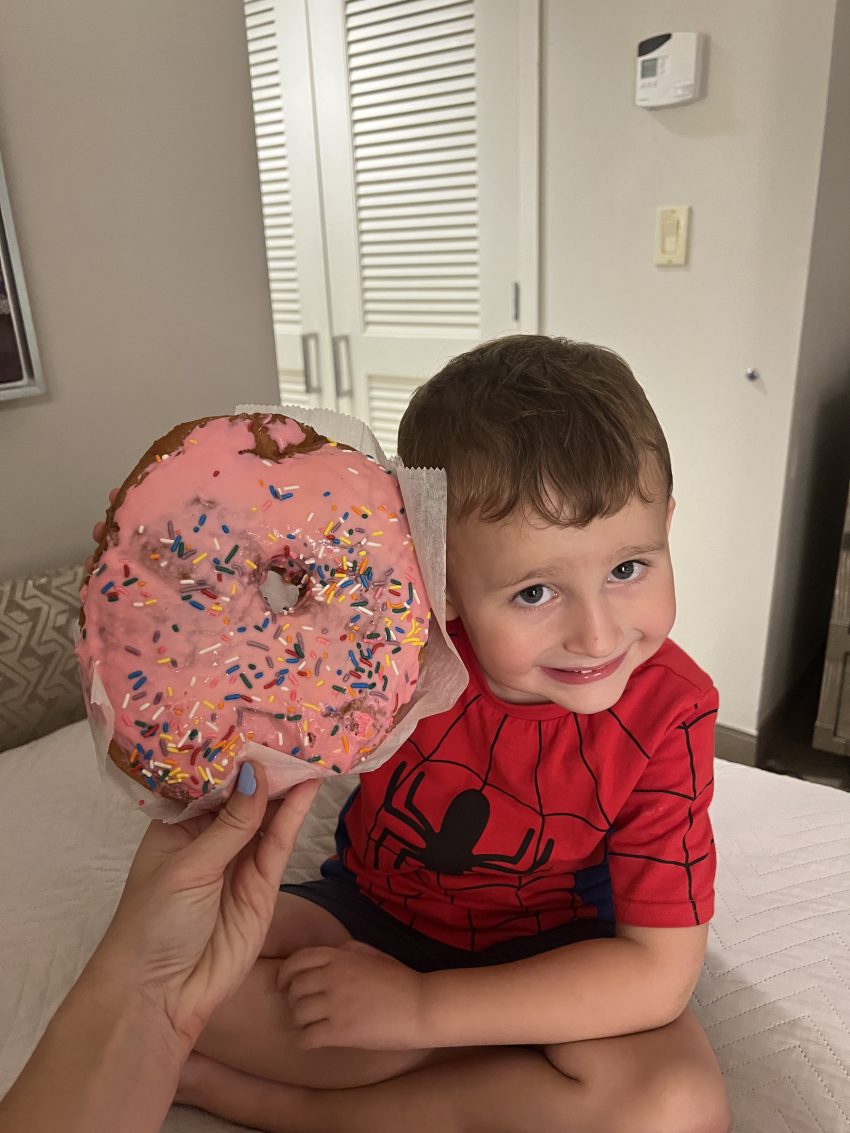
(194, 914)
(198, 901)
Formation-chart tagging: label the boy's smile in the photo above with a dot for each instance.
(564, 614)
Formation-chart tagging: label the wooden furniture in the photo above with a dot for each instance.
(832, 727)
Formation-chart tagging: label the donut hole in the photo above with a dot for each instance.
(283, 587)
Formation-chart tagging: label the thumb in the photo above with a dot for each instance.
(235, 824)
(278, 840)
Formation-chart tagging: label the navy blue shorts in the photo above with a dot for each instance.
(371, 925)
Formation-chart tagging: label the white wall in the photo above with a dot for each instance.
(747, 160)
(819, 452)
(127, 137)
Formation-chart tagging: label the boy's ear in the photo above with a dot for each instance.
(451, 612)
(671, 507)
(451, 608)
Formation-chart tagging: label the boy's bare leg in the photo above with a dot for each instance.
(663, 1081)
(299, 923)
(251, 1032)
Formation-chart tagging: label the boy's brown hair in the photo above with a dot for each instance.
(543, 425)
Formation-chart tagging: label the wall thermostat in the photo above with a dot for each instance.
(670, 69)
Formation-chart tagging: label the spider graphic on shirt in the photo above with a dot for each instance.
(450, 847)
(468, 821)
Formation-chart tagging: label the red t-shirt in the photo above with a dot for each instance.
(498, 820)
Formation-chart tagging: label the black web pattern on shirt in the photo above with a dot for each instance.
(686, 862)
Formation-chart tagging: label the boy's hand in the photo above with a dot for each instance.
(352, 996)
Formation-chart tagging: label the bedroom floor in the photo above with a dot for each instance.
(788, 749)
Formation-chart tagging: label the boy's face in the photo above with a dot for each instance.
(563, 614)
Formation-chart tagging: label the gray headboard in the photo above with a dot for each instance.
(39, 687)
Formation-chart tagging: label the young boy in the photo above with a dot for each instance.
(516, 917)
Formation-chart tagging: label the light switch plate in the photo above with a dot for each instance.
(671, 235)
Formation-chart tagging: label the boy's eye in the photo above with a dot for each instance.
(628, 571)
(535, 595)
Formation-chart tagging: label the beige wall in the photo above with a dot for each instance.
(747, 159)
(819, 450)
(127, 138)
(126, 132)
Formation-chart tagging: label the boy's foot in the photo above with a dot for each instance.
(239, 1097)
(194, 1078)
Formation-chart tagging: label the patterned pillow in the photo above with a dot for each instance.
(39, 686)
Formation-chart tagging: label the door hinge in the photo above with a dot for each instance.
(515, 302)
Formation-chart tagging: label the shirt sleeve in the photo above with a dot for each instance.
(660, 847)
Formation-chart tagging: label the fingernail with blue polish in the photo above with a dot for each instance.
(246, 784)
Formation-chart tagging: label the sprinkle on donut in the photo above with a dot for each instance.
(255, 581)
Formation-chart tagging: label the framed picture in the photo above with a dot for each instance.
(20, 366)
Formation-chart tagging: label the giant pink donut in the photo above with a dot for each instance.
(175, 621)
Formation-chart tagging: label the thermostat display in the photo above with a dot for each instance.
(670, 69)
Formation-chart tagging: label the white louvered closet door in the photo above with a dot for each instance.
(427, 129)
(290, 186)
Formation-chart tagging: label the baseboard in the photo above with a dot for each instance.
(735, 746)
(752, 750)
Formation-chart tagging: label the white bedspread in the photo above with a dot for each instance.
(774, 996)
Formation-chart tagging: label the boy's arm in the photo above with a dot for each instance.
(355, 996)
(641, 979)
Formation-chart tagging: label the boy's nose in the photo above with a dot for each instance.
(592, 633)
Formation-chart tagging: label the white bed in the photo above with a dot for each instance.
(774, 997)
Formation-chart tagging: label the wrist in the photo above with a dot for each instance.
(109, 1050)
(127, 1004)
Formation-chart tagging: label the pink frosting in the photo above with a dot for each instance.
(193, 659)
